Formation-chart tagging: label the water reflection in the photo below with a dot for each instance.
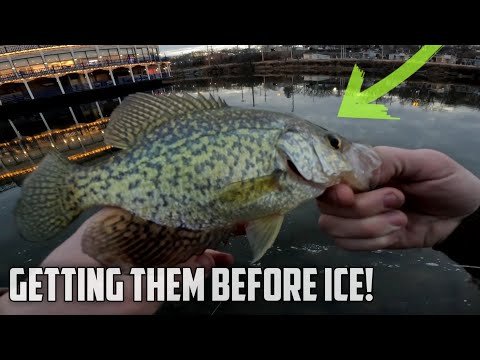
(79, 129)
(19, 155)
(434, 115)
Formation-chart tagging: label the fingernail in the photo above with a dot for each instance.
(395, 219)
(391, 200)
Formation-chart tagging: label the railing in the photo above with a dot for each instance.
(25, 74)
(126, 79)
(14, 48)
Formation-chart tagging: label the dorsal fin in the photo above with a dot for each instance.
(139, 112)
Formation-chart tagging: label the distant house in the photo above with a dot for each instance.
(398, 56)
(445, 59)
(470, 61)
(370, 54)
(315, 56)
(467, 61)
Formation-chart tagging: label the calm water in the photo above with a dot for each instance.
(420, 281)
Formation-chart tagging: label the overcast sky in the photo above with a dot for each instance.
(172, 50)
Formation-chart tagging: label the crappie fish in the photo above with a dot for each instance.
(190, 171)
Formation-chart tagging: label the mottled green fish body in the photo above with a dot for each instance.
(190, 171)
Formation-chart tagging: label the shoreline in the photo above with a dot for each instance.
(431, 72)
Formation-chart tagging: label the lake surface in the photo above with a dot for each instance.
(444, 117)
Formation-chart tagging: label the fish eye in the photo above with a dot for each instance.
(334, 141)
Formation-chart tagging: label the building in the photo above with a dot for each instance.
(35, 71)
(398, 56)
(370, 54)
(315, 56)
(472, 62)
(29, 72)
(444, 59)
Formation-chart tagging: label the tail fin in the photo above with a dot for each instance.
(48, 202)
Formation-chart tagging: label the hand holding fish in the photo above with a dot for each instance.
(70, 254)
(422, 197)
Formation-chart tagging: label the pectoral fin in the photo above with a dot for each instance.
(246, 191)
(262, 233)
(119, 238)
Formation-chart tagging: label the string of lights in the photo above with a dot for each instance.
(17, 172)
(12, 174)
(55, 132)
(88, 153)
(49, 47)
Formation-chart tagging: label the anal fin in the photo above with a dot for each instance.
(121, 239)
(262, 233)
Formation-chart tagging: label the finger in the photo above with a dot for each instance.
(388, 241)
(205, 261)
(212, 258)
(367, 204)
(371, 227)
(208, 260)
(413, 165)
(220, 259)
(337, 195)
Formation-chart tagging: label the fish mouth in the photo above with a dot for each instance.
(298, 175)
(361, 174)
(294, 169)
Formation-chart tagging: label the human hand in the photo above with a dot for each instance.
(70, 254)
(421, 197)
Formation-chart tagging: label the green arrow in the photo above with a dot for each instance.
(356, 104)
